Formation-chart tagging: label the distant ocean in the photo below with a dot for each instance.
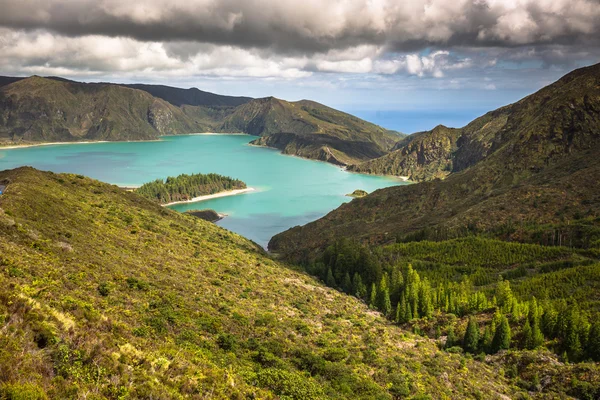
(411, 121)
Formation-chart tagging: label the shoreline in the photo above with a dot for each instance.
(212, 196)
(158, 139)
(22, 146)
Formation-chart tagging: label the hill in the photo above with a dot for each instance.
(191, 97)
(523, 172)
(49, 110)
(558, 120)
(105, 294)
(312, 130)
(54, 109)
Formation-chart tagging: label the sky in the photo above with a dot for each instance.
(380, 59)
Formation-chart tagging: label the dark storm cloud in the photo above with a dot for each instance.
(309, 26)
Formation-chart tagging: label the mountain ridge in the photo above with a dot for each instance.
(512, 164)
(37, 109)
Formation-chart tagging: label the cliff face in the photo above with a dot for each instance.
(532, 162)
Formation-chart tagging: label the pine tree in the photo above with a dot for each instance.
(347, 283)
(548, 323)
(415, 308)
(386, 304)
(408, 312)
(330, 281)
(356, 279)
(471, 339)
(593, 343)
(501, 340)
(401, 316)
(486, 340)
(373, 296)
(537, 337)
(358, 287)
(450, 338)
(527, 335)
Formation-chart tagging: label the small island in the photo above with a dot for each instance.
(357, 193)
(207, 215)
(191, 188)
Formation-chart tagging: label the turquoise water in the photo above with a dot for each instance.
(290, 191)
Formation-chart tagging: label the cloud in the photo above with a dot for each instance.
(378, 45)
(315, 25)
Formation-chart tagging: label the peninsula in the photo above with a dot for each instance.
(191, 188)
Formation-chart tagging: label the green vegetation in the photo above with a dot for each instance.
(357, 193)
(472, 277)
(525, 172)
(186, 187)
(105, 294)
(49, 110)
(53, 109)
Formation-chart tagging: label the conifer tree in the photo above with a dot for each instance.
(471, 339)
(386, 304)
(527, 335)
(399, 316)
(450, 338)
(330, 281)
(373, 296)
(358, 287)
(347, 283)
(356, 279)
(502, 336)
(537, 337)
(415, 308)
(548, 322)
(593, 343)
(486, 340)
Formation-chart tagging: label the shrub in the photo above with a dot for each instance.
(104, 289)
(289, 384)
(226, 341)
(27, 391)
(335, 354)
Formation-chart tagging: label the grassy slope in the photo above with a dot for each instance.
(107, 295)
(540, 167)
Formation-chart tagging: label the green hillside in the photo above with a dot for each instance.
(536, 178)
(46, 110)
(526, 136)
(105, 294)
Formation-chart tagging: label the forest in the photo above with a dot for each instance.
(186, 187)
(483, 295)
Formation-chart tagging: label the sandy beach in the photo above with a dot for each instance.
(22, 146)
(213, 196)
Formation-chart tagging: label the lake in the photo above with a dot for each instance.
(290, 191)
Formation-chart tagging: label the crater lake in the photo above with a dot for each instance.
(289, 190)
